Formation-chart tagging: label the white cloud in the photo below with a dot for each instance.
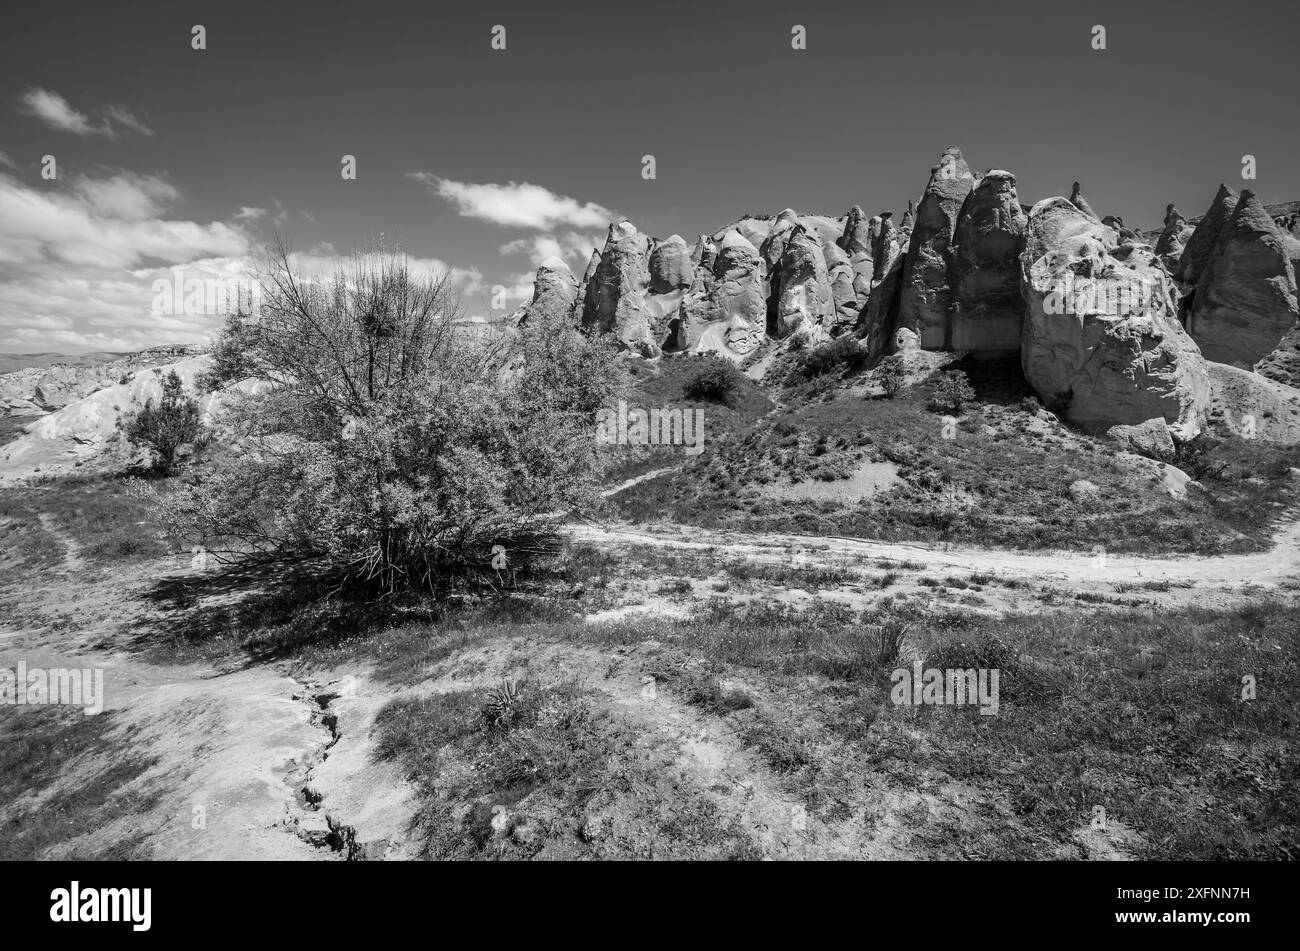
(6, 161)
(322, 263)
(107, 223)
(57, 113)
(119, 115)
(78, 266)
(573, 247)
(517, 204)
(246, 213)
(126, 195)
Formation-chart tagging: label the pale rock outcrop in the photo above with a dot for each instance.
(857, 242)
(1245, 304)
(554, 288)
(909, 217)
(839, 270)
(586, 301)
(1243, 403)
(616, 296)
(1150, 438)
(774, 243)
(925, 300)
(36, 390)
(805, 304)
(884, 244)
(739, 291)
(670, 266)
(1205, 237)
(856, 238)
(87, 430)
(1078, 201)
(989, 238)
(702, 258)
(1173, 240)
(1101, 342)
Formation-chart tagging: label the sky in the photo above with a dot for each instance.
(171, 161)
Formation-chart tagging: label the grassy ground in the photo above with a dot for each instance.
(1138, 714)
(38, 744)
(1001, 480)
(107, 523)
(661, 385)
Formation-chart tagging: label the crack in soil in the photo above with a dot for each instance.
(315, 826)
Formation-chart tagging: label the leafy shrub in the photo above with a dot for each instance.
(391, 451)
(164, 428)
(717, 379)
(891, 377)
(841, 353)
(952, 393)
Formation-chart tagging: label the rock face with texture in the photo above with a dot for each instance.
(1173, 240)
(87, 428)
(616, 296)
(1078, 201)
(1205, 237)
(773, 245)
(1244, 403)
(1101, 341)
(805, 304)
(670, 266)
(554, 289)
(34, 391)
(739, 295)
(856, 238)
(839, 270)
(989, 237)
(925, 298)
(1245, 304)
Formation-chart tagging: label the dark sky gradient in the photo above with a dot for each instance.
(737, 120)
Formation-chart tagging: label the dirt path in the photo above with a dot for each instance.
(72, 560)
(1188, 576)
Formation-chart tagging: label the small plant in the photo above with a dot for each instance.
(503, 703)
(891, 377)
(1193, 457)
(843, 352)
(167, 426)
(952, 393)
(716, 380)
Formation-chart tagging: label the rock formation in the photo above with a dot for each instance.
(554, 288)
(86, 429)
(1203, 240)
(1172, 240)
(37, 390)
(1078, 201)
(1101, 341)
(925, 298)
(839, 270)
(670, 266)
(804, 302)
(739, 295)
(856, 238)
(1244, 304)
(989, 237)
(616, 295)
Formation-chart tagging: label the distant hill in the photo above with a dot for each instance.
(9, 362)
